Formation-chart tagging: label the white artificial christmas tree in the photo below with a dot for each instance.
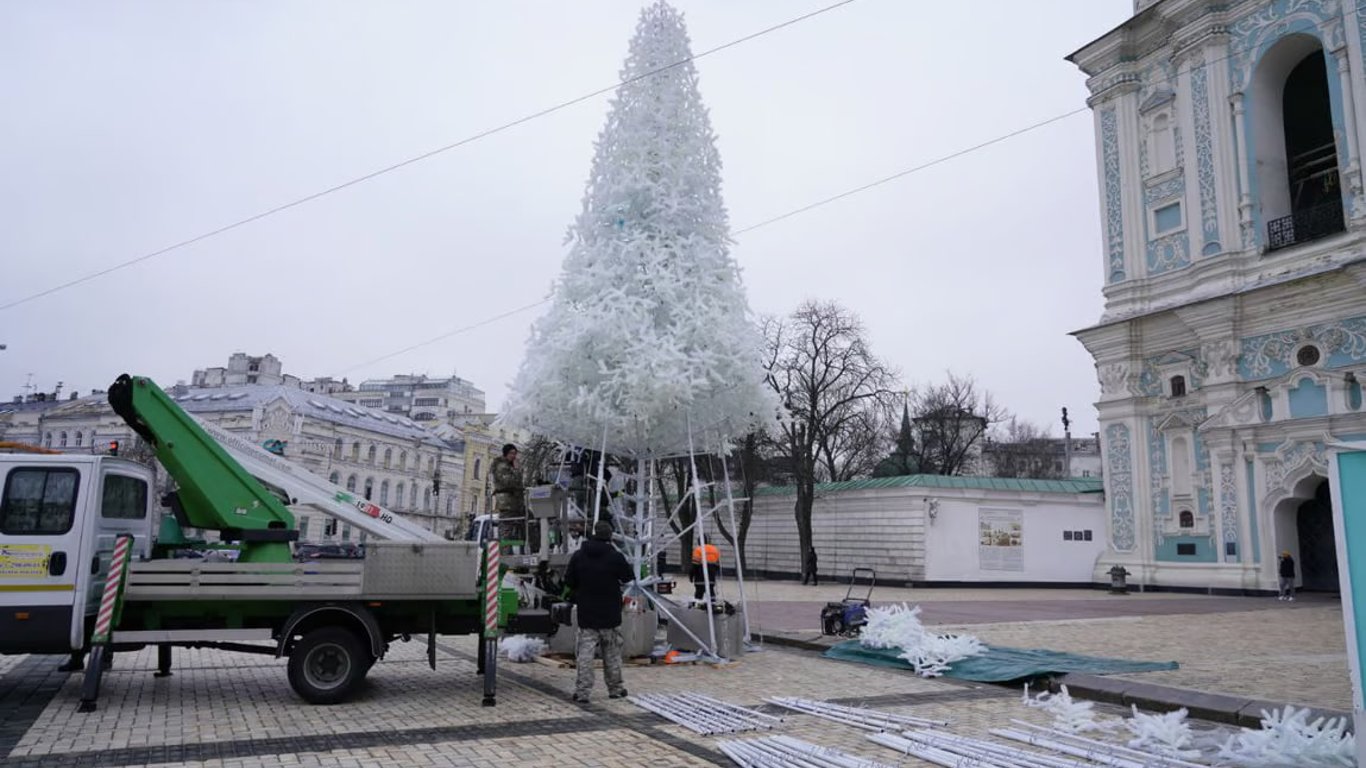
(649, 345)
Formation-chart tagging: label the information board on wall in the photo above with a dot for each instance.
(1000, 544)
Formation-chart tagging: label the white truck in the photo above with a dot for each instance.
(62, 518)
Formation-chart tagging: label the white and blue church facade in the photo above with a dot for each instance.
(1232, 348)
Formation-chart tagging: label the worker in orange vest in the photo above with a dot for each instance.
(713, 557)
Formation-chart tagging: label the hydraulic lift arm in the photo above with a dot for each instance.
(214, 492)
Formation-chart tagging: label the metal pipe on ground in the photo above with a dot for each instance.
(1119, 751)
(869, 719)
(934, 755)
(990, 750)
(775, 751)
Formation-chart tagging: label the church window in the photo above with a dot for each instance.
(1186, 549)
(1307, 355)
(1163, 145)
(1295, 148)
(1167, 218)
(1181, 467)
(1187, 519)
(1178, 386)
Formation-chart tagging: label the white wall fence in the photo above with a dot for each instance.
(926, 534)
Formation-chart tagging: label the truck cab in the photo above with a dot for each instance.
(59, 517)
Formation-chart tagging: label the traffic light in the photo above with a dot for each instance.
(113, 447)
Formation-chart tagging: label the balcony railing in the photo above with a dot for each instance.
(1305, 225)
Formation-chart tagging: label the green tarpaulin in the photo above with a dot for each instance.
(1003, 665)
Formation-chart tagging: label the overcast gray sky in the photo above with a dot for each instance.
(126, 127)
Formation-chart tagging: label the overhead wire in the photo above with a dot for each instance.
(415, 159)
(744, 230)
(873, 184)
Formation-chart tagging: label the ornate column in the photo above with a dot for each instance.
(1238, 102)
(1229, 519)
(1352, 173)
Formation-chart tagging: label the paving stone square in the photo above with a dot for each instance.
(223, 709)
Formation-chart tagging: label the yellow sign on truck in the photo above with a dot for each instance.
(24, 561)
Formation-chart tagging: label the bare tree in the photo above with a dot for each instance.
(820, 365)
(951, 421)
(854, 450)
(747, 466)
(673, 479)
(1022, 449)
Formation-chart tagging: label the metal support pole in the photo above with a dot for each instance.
(163, 661)
(489, 643)
(673, 620)
(597, 492)
(110, 611)
(702, 540)
(90, 687)
(735, 531)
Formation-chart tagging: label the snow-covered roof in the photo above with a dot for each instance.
(248, 397)
(318, 406)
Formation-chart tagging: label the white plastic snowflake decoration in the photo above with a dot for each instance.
(521, 648)
(929, 654)
(1166, 734)
(1288, 739)
(1069, 715)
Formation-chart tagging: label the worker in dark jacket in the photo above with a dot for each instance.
(595, 575)
(1287, 573)
(809, 569)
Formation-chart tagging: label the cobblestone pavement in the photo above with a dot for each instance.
(222, 709)
(1248, 646)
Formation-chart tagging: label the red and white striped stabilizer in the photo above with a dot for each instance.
(113, 584)
(492, 583)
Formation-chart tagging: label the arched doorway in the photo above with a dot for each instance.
(1318, 562)
(1303, 526)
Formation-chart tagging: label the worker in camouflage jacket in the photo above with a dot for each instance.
(509, 496)
(595, 576)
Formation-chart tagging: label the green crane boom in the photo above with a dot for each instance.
(214, 492)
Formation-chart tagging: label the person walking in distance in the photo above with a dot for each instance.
(509, 497)
(809, 571)
(594, 576)
(1287, 577)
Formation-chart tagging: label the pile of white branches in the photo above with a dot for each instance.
(929, 654)
(1289, 738)
(521, 648)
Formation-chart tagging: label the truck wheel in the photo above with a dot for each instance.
(327, 664)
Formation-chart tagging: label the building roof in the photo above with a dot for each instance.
(1023, 485)
(313, 404)
(31, 406)
(249, 396)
